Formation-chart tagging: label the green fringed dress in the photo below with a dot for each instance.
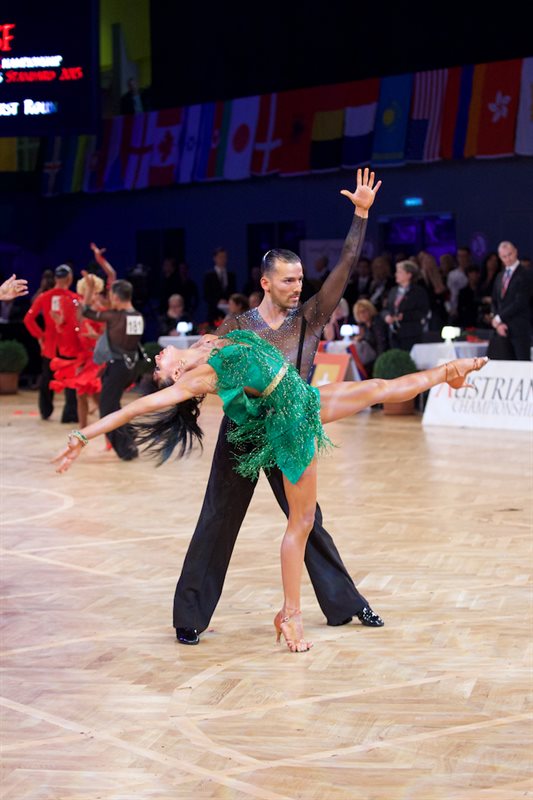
(280, 428)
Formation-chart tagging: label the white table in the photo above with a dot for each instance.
(181, 342)
(426, 356)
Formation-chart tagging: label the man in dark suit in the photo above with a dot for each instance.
(510, 305)
(219, 284)
(135, 100)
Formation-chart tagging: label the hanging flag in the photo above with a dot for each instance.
(326, 141)
(474, 111)
(103, 170)
(265, 157)
(359, 120)
(165, 127)
(189, 143)
(425, 123)
(296, 111)
(496, 130)
(392, 118)
(73, 158)
(137, 148)
(52, 165)
(524, 123)
(85, 148)
(8, 155)
(241, 137)
(67, 158)
(212, 144)
(456, 111)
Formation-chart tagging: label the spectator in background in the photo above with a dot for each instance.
(381, 283)
(169, 282)
(64, 343)
(340, 316)
(457, 279)
(511, 307)
(255, 299)
(253, 284)
(469, 301)
(175, 313)
(322, 269)
(219, 284)
(407, 307)
(238, 304)
(372, 339)
(187, 288)
(135, 100)
(489, 269)
(359, 283)
(139, 278)
(446, 265)
(47, 282)
(432, 281)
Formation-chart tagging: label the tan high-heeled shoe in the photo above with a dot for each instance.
(291, 626)
(456, 371)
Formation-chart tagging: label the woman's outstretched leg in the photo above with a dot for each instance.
(338, 400)
(301, 498)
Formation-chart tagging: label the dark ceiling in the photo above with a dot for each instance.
(205, 52)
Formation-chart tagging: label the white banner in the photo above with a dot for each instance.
(501, 397)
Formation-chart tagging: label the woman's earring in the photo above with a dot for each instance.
(180, 366)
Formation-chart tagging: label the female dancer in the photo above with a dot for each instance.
(277, 415)
(81, 373)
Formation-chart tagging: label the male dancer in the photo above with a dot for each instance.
(295, 329)
(56, 340)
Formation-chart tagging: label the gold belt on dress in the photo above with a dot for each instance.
(275, 381)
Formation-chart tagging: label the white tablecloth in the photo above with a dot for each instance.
(182, 342)
(426, 356)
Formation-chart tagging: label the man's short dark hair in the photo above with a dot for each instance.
(123, 290)
(62, 271)
(218, 250)
(268, 262)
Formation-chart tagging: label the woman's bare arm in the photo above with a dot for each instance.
(196, 382)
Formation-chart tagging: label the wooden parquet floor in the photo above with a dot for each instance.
(100, 702)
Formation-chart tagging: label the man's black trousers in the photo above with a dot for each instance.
(226, 501)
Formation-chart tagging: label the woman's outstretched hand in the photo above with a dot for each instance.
(69, 454)
(365, 192)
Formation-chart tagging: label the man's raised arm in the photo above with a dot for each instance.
(321, 305)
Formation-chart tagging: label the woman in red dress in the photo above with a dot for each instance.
(81, 373)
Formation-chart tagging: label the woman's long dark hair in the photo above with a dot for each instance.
(178, 428)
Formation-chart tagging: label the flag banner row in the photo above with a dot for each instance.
(475, 111)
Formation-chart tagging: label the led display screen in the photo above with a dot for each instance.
(49, 72)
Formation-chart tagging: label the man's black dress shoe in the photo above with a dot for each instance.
(187, 636)
(370, 618)
(367, 617)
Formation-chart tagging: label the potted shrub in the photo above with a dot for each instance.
(393, 364)
(13, 359)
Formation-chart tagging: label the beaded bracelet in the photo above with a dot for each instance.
(80, 437)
